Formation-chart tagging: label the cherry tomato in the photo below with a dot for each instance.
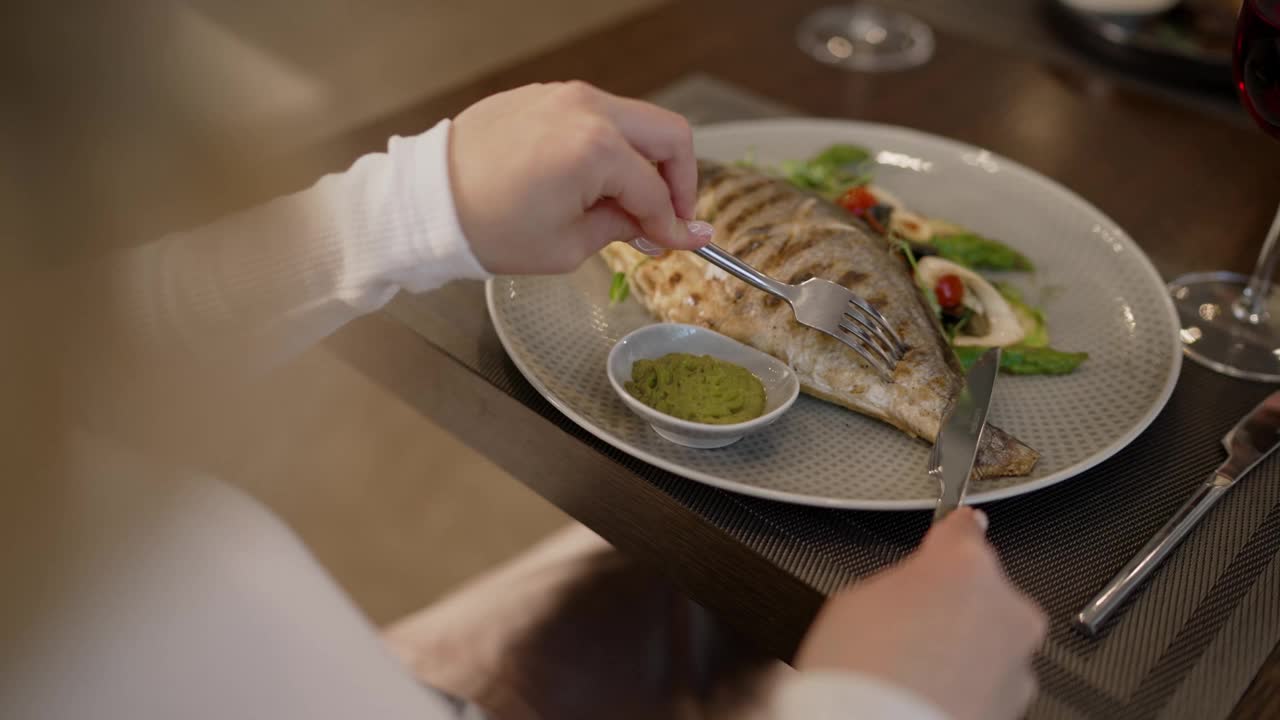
(950, 291)
(857, 200)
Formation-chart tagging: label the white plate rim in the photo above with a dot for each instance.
(987, 496)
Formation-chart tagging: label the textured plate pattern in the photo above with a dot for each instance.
(1100, 294)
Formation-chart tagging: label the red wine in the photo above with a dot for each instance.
(1257, 62)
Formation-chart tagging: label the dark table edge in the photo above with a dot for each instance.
(586, 485)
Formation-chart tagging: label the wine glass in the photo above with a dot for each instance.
(1229, 322)
(865, 37)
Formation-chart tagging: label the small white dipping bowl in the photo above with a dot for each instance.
(781, 387)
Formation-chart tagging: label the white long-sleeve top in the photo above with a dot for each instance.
(214, 609)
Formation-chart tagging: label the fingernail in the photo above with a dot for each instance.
(981, 518)
(701, 230)
(646, 247)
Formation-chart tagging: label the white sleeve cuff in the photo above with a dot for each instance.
(828, 695)
(395, 217)
(442, 250)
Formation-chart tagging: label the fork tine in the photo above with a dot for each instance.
(882, 325)
(870, 327)
(871, 344)
(859, 346)
(877, 322)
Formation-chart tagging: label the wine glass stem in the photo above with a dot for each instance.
(1252, 305)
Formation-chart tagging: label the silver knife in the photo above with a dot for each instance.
(1251, 440)
(962, 431)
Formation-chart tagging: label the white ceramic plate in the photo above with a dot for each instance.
(1099, 292)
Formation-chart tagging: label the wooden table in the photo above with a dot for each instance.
(1195, 192)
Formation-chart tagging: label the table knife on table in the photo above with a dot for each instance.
(1248, 443)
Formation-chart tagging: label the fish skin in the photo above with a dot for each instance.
(792, 236)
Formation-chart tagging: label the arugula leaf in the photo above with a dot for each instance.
(1023, 360)
(930, 298)
(619, 289)
(809, 177)
(841, 155)
(831, 172)
(979, 253)
(905, 248)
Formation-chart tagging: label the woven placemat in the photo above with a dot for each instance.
(1186, 646)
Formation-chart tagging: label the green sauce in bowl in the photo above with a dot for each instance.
(698, 388)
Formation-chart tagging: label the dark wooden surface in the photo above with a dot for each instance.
(1262, 699)
(1196, 193)
(707, 564)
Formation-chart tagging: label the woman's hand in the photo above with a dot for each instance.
(543, 176)
(945, 624)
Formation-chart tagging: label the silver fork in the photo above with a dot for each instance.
(825, 307)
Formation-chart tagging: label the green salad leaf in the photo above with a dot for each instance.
(979, 253)
(904, 247)
(1023, 360)
(1032, 356)
(619, 289)
(838, 156)
(830, 172)
(930, 298)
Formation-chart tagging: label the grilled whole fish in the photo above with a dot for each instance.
(792, 236)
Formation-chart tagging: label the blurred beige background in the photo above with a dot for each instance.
(397, 509)
(328, 65)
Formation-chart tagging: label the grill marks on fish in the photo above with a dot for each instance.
(709, 178)
(744, 216)
(721, 208)
(754, 245)
(793, 236)
(812, 271)
(851, 278)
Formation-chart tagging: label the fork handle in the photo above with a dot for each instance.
(724, 260)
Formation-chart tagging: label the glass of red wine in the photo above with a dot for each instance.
(1231, 323)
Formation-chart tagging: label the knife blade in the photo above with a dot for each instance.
(1253, 438)
(961, 434)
